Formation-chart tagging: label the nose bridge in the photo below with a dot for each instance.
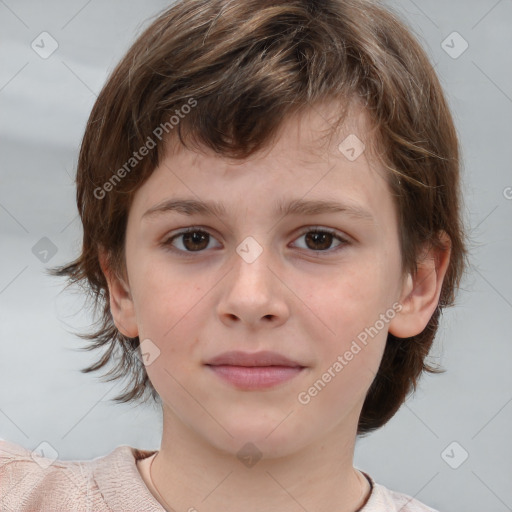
(251, 266)
(253, 291)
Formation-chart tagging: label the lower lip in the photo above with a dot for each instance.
(255, 377)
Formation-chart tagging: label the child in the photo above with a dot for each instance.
(231, 143)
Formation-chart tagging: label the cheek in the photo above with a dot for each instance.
(350, 301)
(162, 292)
(339, 384)
(352, 338)
(170, 311)
(166, 315)
(350, 329)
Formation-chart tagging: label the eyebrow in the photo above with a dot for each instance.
(282, 209)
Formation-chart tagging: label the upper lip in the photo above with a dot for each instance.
(264, 358)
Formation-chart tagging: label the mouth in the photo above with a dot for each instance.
(254, 371)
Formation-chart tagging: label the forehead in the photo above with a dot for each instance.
(312, 135)
(307, 157)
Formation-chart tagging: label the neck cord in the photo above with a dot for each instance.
(170, 509)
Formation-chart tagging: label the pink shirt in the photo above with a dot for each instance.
(112, 483)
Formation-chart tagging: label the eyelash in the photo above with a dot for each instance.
(311, 229)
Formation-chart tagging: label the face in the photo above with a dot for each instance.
(319, 286)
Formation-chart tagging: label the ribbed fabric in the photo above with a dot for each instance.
(112, 483)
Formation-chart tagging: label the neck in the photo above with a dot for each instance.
(189, 474)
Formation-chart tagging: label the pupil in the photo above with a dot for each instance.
(317, 238)
(196, 238)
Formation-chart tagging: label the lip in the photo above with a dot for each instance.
(255, 377)
(248, 359)
(252, 371)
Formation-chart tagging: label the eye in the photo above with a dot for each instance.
(321, 239)
(197, 240)
(190, 240)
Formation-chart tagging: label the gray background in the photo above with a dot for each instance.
(44, 105)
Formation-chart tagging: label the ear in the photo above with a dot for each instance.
(420, 292)
(121, 302)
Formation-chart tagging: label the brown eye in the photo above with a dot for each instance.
(321, 240)
(318, 240)
(193, 240)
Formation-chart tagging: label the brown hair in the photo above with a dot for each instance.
(245, 66)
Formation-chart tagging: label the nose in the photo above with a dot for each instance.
(253, 293)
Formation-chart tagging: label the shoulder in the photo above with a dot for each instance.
(382, 498)
(32, 481)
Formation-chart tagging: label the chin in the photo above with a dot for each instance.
(257, 439)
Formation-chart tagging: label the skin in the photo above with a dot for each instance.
(304, 303)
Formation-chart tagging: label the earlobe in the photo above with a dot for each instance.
(421, 291)
(121, 302)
